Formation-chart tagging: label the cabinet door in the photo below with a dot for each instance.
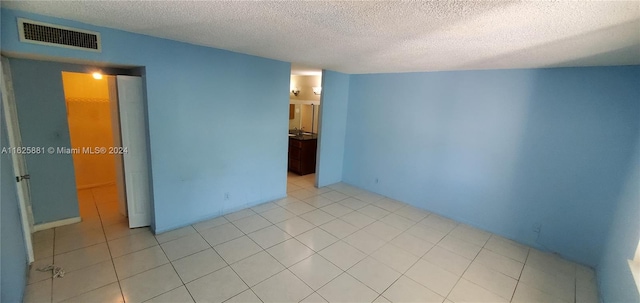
(294, 153)
(294, 166)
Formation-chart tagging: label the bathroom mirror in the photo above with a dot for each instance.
(304, 116)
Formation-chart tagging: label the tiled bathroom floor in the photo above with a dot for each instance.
(333, 244)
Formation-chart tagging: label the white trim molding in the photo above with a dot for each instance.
(58, 223)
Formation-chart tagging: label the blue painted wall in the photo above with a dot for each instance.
(217, 119)
(614, 275)
(13, 253)
(505, 150)
(333, 117)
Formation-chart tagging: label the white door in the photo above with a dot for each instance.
(19, 163)
(117, 141)
(134, 139)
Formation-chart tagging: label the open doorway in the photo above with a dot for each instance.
(93, 119)
(304, 115)
(109, 148)
(46, 182)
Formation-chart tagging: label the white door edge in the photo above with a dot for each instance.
(134, 138)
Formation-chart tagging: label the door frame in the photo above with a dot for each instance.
(318, 104)
(18, 161)
(134, 198)
(13, 130)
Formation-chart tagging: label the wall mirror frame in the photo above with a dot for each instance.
(304, 115)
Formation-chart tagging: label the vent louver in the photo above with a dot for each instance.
(56, 35)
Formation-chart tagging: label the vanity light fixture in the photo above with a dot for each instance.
(97, 75)
(295, 91)
(317, 90)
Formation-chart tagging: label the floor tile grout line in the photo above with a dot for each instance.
(174, 268)
(419, 258)
(436, 244)
(250, 289)
(223, 241)
(517, 280)
(575, 285)
(532, 286)
(128, 235)
(323, 285)
(363, 283)
(311, 294)
(53, 261)
(86, 247)
(303, 281)
(111, 259)
(472, 261)
(314, 252)
(146, 270)
(501, 254)
(229, 265)
(366, 254)
(76, 249)
(137, 250)
(389, 212)
(104, 234)
(520, 275)
(346, 270)
(362, 228)
(166, 292)
(210, 246)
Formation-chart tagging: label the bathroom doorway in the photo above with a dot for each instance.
(304, 114)
(94, 121)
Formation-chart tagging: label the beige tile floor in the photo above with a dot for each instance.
(332, 244)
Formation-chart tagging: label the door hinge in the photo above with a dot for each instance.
(23, 177)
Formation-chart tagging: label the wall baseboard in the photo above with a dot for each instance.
(58, 223)
(220, 214)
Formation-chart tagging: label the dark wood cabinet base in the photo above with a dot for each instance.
(302, 156)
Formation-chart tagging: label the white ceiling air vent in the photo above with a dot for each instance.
(56, 35)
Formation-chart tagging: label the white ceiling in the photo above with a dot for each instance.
(383, 36)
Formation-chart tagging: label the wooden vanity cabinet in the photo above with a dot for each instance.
(302, 156)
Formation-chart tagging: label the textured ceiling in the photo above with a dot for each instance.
(383, 36)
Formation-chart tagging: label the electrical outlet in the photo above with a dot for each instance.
(226, 196)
